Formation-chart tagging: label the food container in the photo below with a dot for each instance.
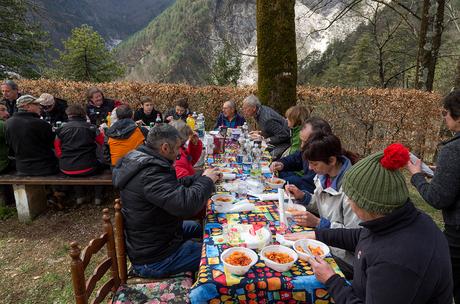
(222, 199)
(274, 265)
(293, 207)
(245, 235)
(275, 183)
(239, 270)
(303, 244)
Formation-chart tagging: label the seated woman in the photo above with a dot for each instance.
(229, 116)
(189, 153)
(401, 255)
(329, 161)
(76, 147)
(295, 116)
(98, 106)
(179, 112)
(294, 168)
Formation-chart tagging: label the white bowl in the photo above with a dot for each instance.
(314, 243)
(229, 197)
(239, 270)
(277, 266)
(296, 207)
(272, 185)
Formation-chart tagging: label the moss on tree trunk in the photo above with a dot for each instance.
(276, 53)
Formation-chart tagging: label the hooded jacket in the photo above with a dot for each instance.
(188, 158)
(122, 137)
(154, 203)
(400, 258)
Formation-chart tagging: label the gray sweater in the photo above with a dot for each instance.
(444, 190)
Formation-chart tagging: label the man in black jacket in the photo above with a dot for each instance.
(53, 108)
(31, 139)
(155, 203)
(401, 257)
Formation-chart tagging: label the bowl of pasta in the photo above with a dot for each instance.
(238, 260)
(279, 258)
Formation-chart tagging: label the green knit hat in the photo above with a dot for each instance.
(375, 183)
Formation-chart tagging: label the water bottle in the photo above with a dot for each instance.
(158, 119)
(200, 125)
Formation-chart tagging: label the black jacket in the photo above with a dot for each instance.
(11, 105)
(78, 145)
(31, 140)
(98, 115)
(57, 113)
(155, 202)
(444, 190)
(401, 258)
(147, 119)
(172, 112)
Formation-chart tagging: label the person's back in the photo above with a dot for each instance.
(4, 162)
(31, 140)
(122, 137)
(77, 142)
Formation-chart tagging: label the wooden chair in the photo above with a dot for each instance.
(80, 259)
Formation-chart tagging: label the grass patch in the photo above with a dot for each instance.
(7, 212)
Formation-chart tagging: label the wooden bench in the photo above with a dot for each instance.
(30, 194)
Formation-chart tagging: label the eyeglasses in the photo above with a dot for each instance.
(444, 112)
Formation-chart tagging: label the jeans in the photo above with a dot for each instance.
(452, 234)
(186, 258)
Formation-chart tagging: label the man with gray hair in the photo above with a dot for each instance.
(31, 139)
(229, 116)
(273, 127)
(155, 202)
(10, 94)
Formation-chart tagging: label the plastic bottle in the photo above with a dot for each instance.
(200, 125)
(158, 119)
(190, 122)
(109, 118)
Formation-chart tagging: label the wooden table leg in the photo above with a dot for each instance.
(30, 201)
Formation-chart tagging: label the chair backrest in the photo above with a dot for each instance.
(80, 259)
(120, 243)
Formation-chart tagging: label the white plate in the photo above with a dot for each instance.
(215, 199)
(277, 266)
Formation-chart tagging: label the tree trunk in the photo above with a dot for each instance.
(276, 53)
(431, 28)
(457, 76)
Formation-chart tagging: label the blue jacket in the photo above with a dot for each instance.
(295, 163)
(237, 121)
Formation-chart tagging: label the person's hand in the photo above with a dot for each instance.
(276, 166)
(323, 271)
(300, 236)
(305, 218)
(213, 174)
(194, 138)
(140, 122)
(292, 190)
(169, 118)
(414, 168)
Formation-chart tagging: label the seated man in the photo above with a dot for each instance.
(10, 93)
(180, 111)
(401, 256)
(122, 136)
(273, 126)
(155, 202)
(147, 114)
(229, 117)
(31, 139)
(53, 108)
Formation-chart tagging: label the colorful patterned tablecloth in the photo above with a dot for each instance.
(261, 284)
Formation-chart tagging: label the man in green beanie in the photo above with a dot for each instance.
(401, 256)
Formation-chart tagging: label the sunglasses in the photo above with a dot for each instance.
(444, 112)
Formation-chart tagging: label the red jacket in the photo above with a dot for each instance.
(188, 158)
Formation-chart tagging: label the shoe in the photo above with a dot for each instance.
(97, 201)
(80, 201)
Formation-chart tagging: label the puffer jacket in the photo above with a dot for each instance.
(122, 137)
(188, 158)
(274, 128)
(295, 163)
(155, 202)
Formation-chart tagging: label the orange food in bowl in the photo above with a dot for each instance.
(300, 249)
(238, 258)
(224, 200)
(279, 257)
(277, 181)
(316, 251)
